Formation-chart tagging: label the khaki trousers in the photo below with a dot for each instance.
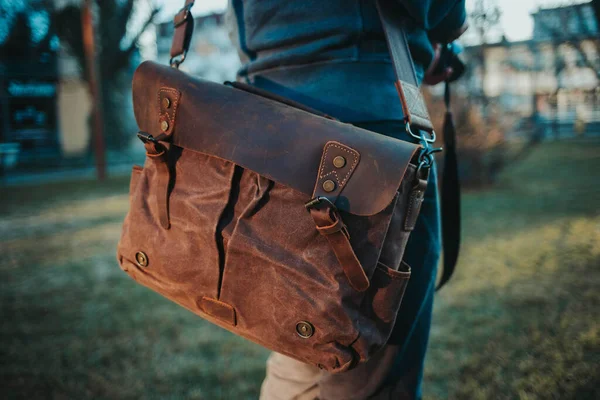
(288, 379)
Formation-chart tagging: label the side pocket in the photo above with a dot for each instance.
(405, 215)
(380, 308)
(389, 286)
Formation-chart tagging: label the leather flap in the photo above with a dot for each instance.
(277, 141)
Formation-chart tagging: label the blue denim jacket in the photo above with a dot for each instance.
(331, 54)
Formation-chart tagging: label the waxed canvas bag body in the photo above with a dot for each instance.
(275, 222)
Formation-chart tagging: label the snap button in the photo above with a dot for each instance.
(166, 102)
(164, 125)
(329, 185)
(141, 258)
(304, 329)
(339, 162)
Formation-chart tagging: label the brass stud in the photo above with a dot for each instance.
(339, 162)
(141, 258)
(164, 125)
(166, 102)
(304, 329)
(329, 185)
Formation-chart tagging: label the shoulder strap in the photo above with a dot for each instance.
(413, 105)
(450, 196)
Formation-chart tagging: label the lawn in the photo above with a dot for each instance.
(521, 318)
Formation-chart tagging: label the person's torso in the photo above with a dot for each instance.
(328, 54)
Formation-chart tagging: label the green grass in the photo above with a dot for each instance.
(521, 318)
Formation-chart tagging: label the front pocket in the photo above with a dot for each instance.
(184, 259)
(283, 278)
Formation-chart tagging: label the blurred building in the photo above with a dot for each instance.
(44, 102)
(212, 55)
(552, 78)
(28, 87)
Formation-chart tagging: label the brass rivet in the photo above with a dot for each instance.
(166, 102)
(329, 186)
(164, 125)
(141, 258)
(339, 162)
(305, 329)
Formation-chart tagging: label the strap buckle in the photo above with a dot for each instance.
(145, 137)
(431, 138)
(426, 139)
(313, 203)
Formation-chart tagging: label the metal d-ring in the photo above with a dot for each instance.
(421, 137)
(426, 158)
(178, 59)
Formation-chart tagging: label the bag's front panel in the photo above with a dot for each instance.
(281, 275)
(183, 261)
(244, 252)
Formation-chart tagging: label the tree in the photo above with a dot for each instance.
(570, 27)
(19, 38)
(111, 17)
(19, 43)
(484, 17)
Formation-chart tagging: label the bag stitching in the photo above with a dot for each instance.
(352, 152)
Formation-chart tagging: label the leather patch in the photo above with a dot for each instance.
(168, 101)
(413, 105)
(217, 309)
(332, 178)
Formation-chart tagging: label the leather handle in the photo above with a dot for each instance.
(413, 104)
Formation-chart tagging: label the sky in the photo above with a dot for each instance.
(515, 21)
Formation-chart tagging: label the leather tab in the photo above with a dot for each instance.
(184, 27)
(329, 223)
(218, 309)
(413, 106)
(168, 101)
(337, 226)
(415, 200)
(332, 179)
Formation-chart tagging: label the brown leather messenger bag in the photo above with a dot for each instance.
(271, 220)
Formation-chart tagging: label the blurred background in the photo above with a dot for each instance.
(521, 318)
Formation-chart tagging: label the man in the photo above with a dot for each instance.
(331, 55)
